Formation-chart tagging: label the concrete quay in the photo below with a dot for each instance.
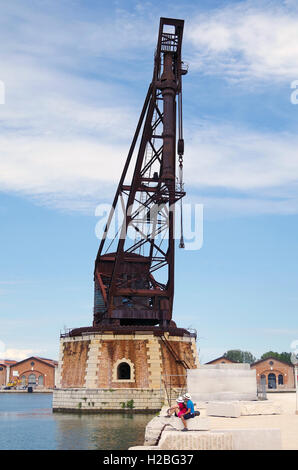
(234, 409)
(106, 400)
(245, 432)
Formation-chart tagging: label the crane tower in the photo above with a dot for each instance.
(134, 270)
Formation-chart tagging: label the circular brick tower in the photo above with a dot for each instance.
(118, 369)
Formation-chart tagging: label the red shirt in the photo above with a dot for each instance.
(182, 407)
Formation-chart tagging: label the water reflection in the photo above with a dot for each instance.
(27, 422)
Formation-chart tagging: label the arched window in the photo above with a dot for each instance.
(23, 379)
(123, 371)
(280, 379)
(31, 380)
(271, 381)
(40, 380)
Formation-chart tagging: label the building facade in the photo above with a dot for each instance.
(220, 360)
(275, 374)
(272, 372)
(35, 372)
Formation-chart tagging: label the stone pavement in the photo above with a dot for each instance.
(234, 409)
(287, 421)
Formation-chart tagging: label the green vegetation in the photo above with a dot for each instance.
(284, 356)
(129, 404)
(237, 355)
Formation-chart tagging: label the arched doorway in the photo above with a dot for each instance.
(271, 381)
(32, 380)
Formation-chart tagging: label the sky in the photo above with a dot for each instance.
(74, 75)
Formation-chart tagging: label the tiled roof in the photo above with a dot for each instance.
(220, 357)
(7, 362)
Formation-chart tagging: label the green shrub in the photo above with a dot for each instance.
(130, 404)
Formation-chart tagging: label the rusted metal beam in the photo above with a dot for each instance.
(124, 273)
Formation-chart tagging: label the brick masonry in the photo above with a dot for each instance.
(73, 369)
(90, 363)
(2, 375)
(277, 368)
(42, 370)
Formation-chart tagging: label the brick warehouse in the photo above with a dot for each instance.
(221, 360)
(36, 372)
(276, 374)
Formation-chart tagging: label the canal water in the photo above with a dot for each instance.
(28, 423)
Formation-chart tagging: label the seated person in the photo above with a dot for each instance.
(177, 409)
(190, 410)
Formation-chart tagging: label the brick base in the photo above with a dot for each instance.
(105, 400)
(90, 361)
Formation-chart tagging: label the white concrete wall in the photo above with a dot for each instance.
(209, 383)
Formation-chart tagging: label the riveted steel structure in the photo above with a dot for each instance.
(134, 268)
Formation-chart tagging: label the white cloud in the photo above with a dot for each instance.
(66, 34)
(17, 354)
(247, 40)
(65, 132)
(43, 165)
(230, 156)
(261, 169)
(235, 170)
(65, 135)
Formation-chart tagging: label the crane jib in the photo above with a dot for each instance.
(134, 267)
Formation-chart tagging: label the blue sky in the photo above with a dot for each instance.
(76, 74)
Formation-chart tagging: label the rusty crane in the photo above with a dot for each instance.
(134, 270)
